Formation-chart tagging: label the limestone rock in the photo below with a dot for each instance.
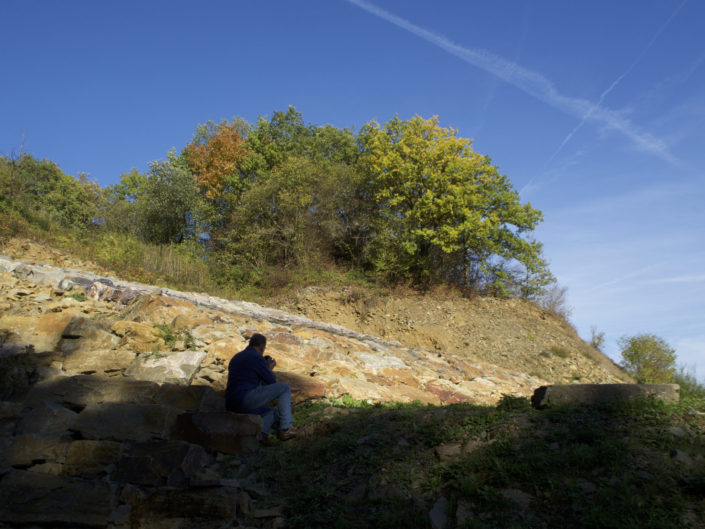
(595, 393)
(37, 498)
(226, 432)
(48, 418)
(154, 463)
(189, 398)
(91, 459)
(189, 506)
(26, 449)
(174, 368)
(87, 361)
(84, 333)
(137, 336)
(82, 390)
(438, 516)
(10, 413)
(119, 421)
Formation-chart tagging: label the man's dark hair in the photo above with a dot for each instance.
(258, 339)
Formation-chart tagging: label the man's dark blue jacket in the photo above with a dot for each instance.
(246, 371)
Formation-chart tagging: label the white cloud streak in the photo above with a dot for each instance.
(680, 279)
(618, 80)
(529, 82)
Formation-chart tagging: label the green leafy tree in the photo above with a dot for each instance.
(121, 209)
(648, 358)
(40, 192)
(270, 142)
(166, 208)
(444, 211)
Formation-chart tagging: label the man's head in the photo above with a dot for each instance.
(259, 342)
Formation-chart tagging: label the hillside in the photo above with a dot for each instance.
(509, 333)
(413, 413)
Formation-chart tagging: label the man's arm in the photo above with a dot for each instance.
(265, 372)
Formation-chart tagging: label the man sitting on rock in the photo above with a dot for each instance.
(252, 385)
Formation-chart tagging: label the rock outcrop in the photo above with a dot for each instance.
(111, 396)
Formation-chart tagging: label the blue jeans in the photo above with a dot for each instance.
(256, 401)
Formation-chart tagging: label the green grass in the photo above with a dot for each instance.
(367, 465)
(560, 352)
(78, 296)
(171, 335)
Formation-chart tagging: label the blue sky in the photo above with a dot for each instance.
(595, 110)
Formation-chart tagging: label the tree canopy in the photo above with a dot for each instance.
(407, 201)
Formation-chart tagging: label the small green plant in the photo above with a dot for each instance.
(560, 352)
(78, 296)
(171, 335)
(511, 403)
(154, 354)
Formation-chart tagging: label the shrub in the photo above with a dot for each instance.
(648, 358)
(597, 339)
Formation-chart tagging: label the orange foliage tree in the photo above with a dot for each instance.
(215, 163)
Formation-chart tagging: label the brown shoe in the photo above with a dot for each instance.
(289, 433)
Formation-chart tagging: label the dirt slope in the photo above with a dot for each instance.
(510, 333)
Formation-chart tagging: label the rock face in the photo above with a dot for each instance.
(111, 404)
(599, 393)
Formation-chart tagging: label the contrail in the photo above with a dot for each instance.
(527, 81)
(618, 80)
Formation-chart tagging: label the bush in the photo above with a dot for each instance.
(648, 358)
(555, 300)
(597, 339)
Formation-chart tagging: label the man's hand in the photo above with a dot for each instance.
(271, 362)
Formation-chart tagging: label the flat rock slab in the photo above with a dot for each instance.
(35, 498)
(172, 368)
(83, 390)
(599, 393)
(226, 432)
(120, 421)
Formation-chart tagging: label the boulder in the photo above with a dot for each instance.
(49, 329)
(87, 334)
(91, 459)
(27, 449)
(153, 463)
(303, 387)
(79, 391)
(88, 361)
(580, 394)
(174, 367)
(438, 516)
(138, 336)
(186, 508)
(47, 418)
(36, 498)
(190, 398)
(10, 413)
(120, 421)
(39, 274)
(226, 432)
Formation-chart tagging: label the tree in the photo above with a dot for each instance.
(648, 358)
(216, 161)
(444, 211)
(270, 142)
(40, 192)
(121, 210)
(166, 208)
